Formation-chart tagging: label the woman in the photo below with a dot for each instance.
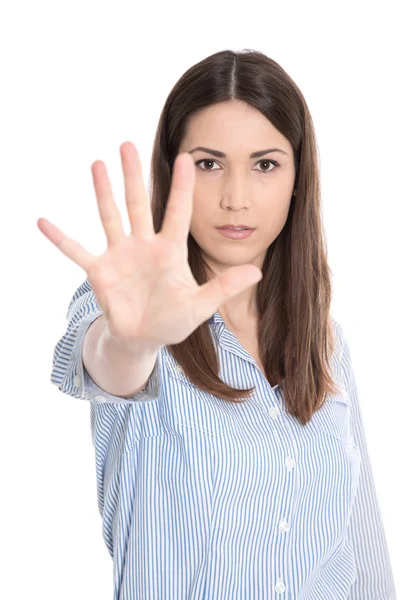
(238, 468)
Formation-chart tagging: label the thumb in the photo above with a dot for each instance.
(224, 286)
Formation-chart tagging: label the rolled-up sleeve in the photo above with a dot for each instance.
(374, 579)
(68, 372)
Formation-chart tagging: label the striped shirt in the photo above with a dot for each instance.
(205, 499)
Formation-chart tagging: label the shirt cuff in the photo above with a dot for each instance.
(78, 383)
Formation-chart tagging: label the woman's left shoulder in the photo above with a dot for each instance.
(339, 341)
(338, 332)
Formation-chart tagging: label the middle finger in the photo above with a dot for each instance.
(137, 201)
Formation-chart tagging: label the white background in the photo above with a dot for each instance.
(80, 78)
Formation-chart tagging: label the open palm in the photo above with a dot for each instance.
(143, 282)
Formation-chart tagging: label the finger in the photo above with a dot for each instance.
(69, 247)
(110, 215)
(179, 210)
(137, 200)
(221, 288)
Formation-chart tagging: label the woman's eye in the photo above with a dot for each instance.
(263, 160)
(272, 162)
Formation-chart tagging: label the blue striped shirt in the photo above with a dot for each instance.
(201, 498)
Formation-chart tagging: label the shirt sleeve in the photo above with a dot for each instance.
(68, 372)
(366, 531)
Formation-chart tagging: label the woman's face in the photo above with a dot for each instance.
(237, 189)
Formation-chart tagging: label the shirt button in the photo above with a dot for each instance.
(284, 526)
(273, 411)
(290, 463)
(77, 380)
(100, 398)
(280, 587)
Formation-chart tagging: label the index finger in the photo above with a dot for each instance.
(179, 209)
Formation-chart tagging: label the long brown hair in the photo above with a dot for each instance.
(295, 333)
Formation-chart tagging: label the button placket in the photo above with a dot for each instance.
(290, 463)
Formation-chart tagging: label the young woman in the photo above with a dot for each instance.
(230, 449)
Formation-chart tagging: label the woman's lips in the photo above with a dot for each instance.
(235, 234)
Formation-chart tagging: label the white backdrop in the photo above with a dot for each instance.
(80, 78)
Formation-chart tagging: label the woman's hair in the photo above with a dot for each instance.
(295, 336)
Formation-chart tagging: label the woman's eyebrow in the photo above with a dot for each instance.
(220, 154)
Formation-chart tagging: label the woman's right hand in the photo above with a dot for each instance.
(143, 282)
